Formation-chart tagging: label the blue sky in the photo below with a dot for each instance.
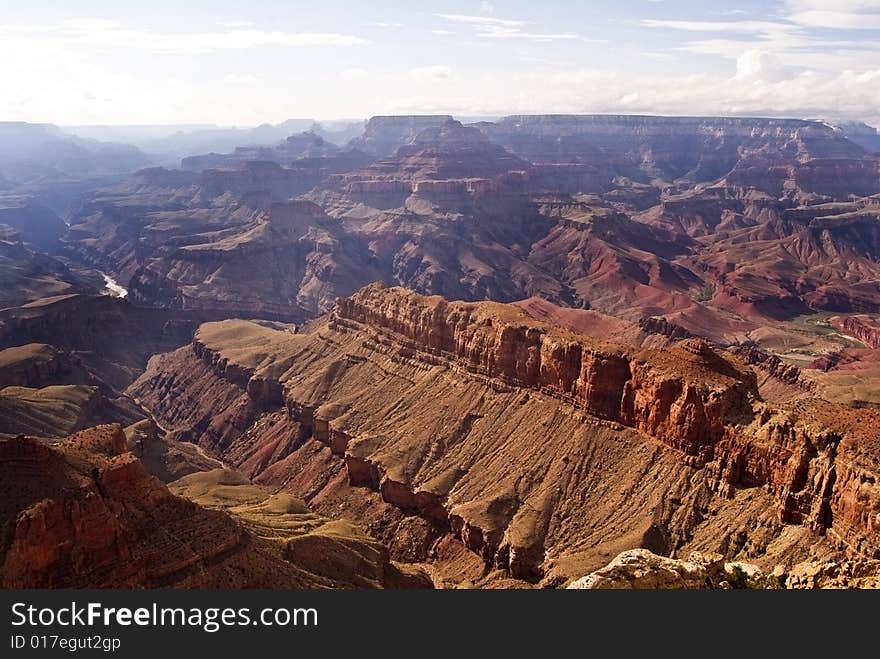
(243, 63)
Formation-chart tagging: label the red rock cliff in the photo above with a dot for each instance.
(466, 391)
(689, 397)
(864, 328)
(685, 398)
(87, 514)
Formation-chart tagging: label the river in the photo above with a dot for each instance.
(113, 288)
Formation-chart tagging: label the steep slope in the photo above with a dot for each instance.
(384, 135)
(37, 225)
(401, 408)
(48, 392)
(301, 145)
(26, 276)
(438, 169)
(84, 513)
(57, 410)
(108, 337)
(305, 262)
(686, 149)
(738, 230)
(819, 257)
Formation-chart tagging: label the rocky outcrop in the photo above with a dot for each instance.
(85, 513)
(661, 326)
(111, 337)
(266, 393)
(720, 225)
(862, 134)
(443, 167)
(301, 145)
(691, 399)
(693, 148)
(255, 176)
(864, 328)
(28, 275)
(306, 261)
(772, 365)
(681, 406)
(34, 365)
(383, 135)
(37, 225)
(463, 387)
(833, 574)
(640, 569)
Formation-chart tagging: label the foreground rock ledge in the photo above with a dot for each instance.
(640, 569)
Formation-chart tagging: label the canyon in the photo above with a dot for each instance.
(630, 216)
(668, 448)
(541, 351)
(86, 513)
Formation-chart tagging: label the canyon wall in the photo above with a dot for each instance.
(865, 328)
(84, 512)
(429, 402)
(87, 513)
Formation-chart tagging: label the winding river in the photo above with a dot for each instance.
(113, 288)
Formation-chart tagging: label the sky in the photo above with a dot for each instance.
(230, 62)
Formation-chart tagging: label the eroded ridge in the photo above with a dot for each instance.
(530, 444)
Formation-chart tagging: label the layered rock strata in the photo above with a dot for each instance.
(864, 328)
(85, 513)
(512, 435)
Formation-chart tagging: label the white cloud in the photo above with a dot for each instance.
(96, 24)
(837, 14)
(837, 19)
(488, 27)
(497, 32)
(104, 33)
(760, 86)
(383, 24)
(479, 20)
(790, 40)
(103, 71)
(430, 73)
(848, 5)
(760, 65)
(716, 26)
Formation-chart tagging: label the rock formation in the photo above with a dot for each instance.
(85, 513)
(37, 225)
(690, 362)
(301, 145)
(383, 135)
(721, 226)
(27, 276)
(639, 569)
(464, 386)
(109, 337)
(864, 328)
(691, 148)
